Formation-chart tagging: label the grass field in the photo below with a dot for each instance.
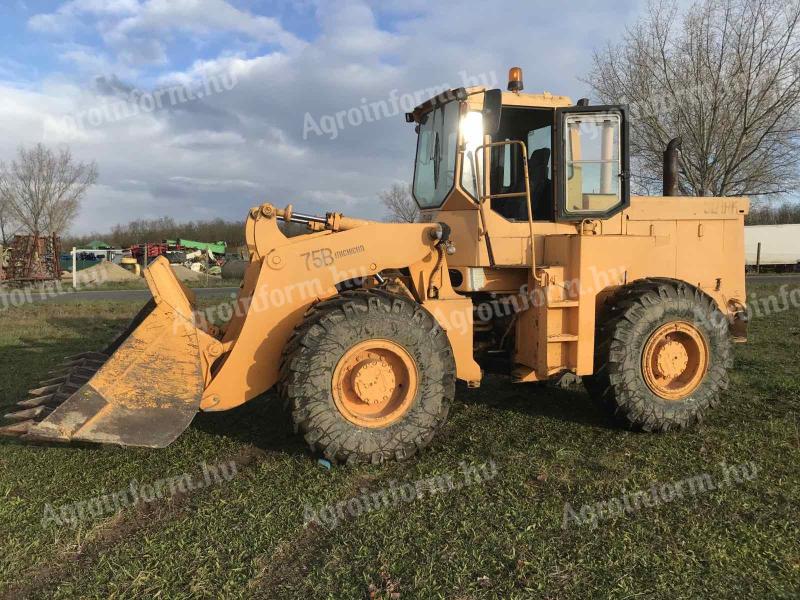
(501, 537)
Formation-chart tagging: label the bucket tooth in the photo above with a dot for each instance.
(74, 381)
(71, 364)
(71, 379)
(38, 401)
(89, 368)
(87, 355)
(87, 365)
(48, 388)
(81, 373)
(68, 366)
(59, 372)
(24, 415)
(61, 395)
(64, 374)
(17, 429)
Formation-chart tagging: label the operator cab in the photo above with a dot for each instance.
(522, 157)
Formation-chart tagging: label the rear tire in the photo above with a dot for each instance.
(662, 355)
(347, 348)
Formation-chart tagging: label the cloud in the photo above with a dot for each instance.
(86, 59)
(193, 183)
(207, 139)
(205, 16)
(351, 31)
(222, 153)
(11, 69)
(68, 14)
(135, 31)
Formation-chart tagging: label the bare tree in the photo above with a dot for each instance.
(8, 225)
(400, 204)
(724, 75)
(42, 189)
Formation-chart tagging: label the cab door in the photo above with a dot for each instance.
(591, 162)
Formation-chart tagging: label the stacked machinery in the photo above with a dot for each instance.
(30, 259)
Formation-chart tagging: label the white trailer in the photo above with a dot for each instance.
(775, 246)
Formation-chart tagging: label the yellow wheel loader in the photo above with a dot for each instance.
(532, 251)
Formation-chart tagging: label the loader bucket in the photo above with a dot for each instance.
(143, 390)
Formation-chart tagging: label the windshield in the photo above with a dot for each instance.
(434, 171)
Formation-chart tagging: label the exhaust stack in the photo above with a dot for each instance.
(670, 177)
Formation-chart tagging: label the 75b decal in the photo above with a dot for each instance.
(325, 257)
(316, 259)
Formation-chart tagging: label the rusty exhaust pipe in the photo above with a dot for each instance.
(670, 177)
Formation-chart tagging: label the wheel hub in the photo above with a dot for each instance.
(672, 360)
(374, 381)
(675, 360)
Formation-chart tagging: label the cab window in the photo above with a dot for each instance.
(535, 128)
(593, 162)
(435, 165)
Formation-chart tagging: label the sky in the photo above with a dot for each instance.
(197, 109)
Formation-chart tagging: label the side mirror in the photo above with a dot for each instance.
(492, 107)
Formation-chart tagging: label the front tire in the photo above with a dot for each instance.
(369, 377)
(662, 355)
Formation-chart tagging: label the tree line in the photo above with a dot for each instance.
(768, 214)
(141, 231)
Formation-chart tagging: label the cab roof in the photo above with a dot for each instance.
(474, 95)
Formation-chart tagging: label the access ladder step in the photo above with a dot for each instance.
(564, 304)
(561, 337)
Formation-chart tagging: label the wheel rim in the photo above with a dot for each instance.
(375, 383)
(675, 360)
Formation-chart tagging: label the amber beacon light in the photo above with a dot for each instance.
(515, 79)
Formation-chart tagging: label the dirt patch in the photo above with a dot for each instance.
(289, 561)
(292, 558)
(184, 274)
(105, 272)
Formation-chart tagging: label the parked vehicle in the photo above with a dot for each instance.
(772, 247)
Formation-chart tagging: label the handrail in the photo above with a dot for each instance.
(526, 194)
